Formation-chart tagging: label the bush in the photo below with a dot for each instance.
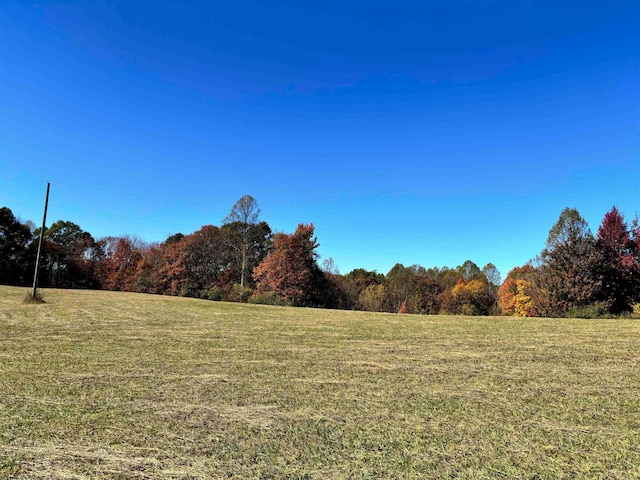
(469, 309)
(636, 310)
(268, 298)
(594, 310)
(239, 294)
(214, 294)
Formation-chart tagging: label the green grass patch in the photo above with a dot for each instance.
(129, 386)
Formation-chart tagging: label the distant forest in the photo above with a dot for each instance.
(576, 274)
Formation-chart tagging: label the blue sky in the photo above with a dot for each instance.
(426, 132)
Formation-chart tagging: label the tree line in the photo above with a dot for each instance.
(578, 273)
(243, 260)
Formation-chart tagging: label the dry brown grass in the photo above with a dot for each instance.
(110, 385)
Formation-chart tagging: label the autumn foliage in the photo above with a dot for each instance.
(471, 297)
(520, 294)
(515, 298)
(618, 250)
(576, 273)
(291, 270)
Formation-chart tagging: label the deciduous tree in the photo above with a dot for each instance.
(148, 271)
(492, 274)
(17, 260)
(401, 284)
(355, 282)
(120, 265)
(193, 263)
(256, 239)
(71, 255)
(507, 296)
(244, 237)
(376, 298)
(291, 270)
(523, 282)
(523, 304)
(472, 297)
(469, 271)
(426, 296)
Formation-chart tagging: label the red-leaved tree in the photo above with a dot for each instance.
(618, 262)
(291, 270)
(119, 268)
(193, 263)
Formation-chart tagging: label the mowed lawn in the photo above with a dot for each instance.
(115, 385)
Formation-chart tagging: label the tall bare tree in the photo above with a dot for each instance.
(244, 215)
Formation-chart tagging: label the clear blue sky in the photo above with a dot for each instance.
(409, 131)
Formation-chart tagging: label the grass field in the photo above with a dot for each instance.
(114, 385)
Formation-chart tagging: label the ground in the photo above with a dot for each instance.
(129, 386)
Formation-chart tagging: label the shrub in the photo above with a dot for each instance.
(239, 294)
(469, 309)
(594, 310)
(214, 293)
(267, 298)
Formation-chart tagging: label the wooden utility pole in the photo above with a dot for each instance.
(44, 221)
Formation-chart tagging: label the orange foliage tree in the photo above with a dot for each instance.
(521, 295)
(120, 266)
(507, 296)
(472, 297)
(291, 270)
(193, 264)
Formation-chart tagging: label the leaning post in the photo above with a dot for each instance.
(44, 221)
